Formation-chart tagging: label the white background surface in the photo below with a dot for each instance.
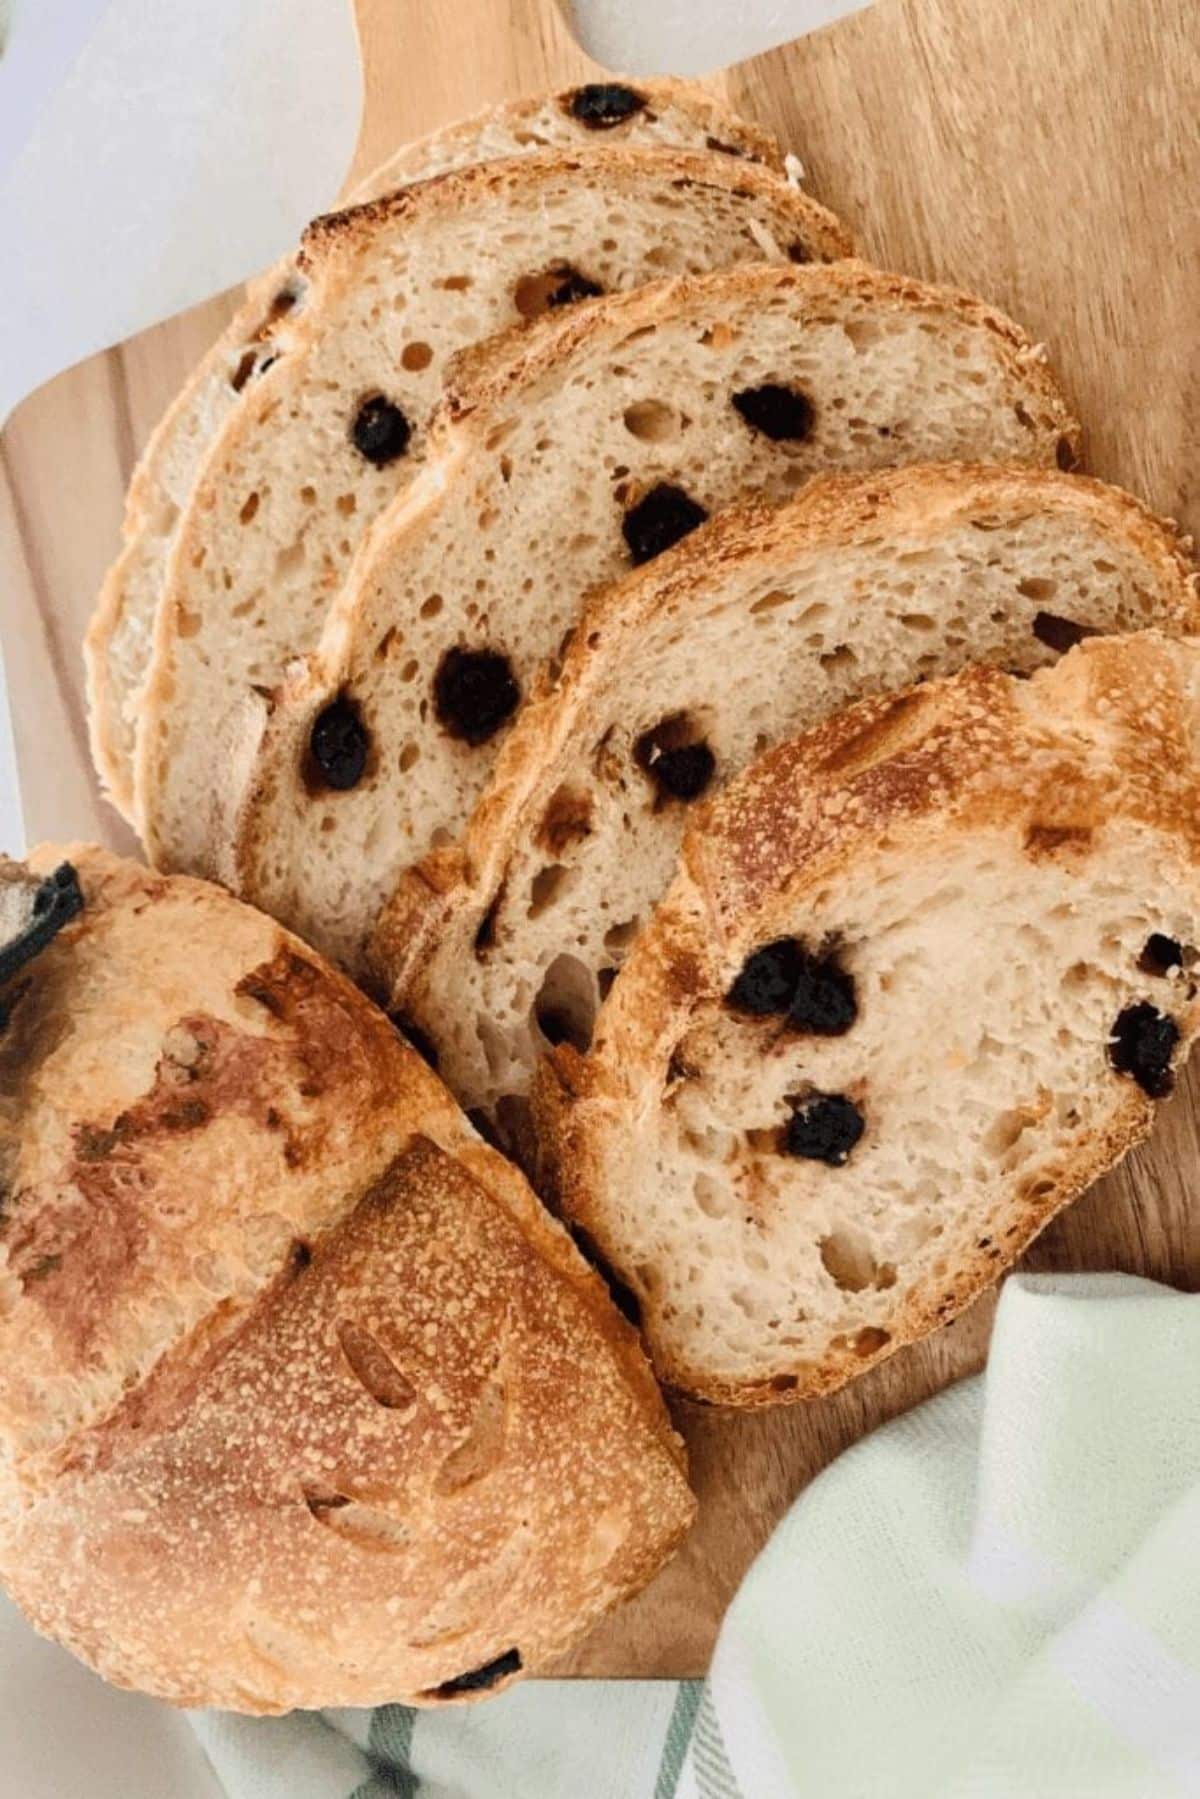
(153, 152)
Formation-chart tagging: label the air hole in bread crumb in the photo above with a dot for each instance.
(432, 606)
(249, 508)
(1037, 587)
(309, 495)
(565, 1008)
(870, 1340)
(620, 936)
(409, 756)
(289, 559)
(567, 819)
(841, 658)
(651, 421)
(713, 1197)
(848, 1260)
(545, 888)
(1061, 634)
(485, 936)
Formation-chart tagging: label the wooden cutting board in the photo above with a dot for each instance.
(1043, 152)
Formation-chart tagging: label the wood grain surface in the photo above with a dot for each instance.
(1043, 152)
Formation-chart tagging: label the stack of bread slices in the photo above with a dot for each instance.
(677, 668)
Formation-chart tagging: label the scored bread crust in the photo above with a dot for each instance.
(305, 1399)
(1100, 751)
(285, 497)
(577, 372)
(616, 679)
(118, 640)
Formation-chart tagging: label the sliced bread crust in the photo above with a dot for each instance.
(552, 447)
(304, 1399)
(751, 630)
(328, 436)
(118, 643)
(991, 893)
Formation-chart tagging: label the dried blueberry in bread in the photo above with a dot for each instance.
(991, 857)
(119, 641)
(334, 434)
(596, 439)
(754, 629)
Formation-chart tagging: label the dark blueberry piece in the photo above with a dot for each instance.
(824, 1000)
(660, 518)
(55, 902)
(824, 1128)
(686, 772)
(1061, 634)
(416, 1038)
(474, 692)
(571, 287)
(768, 979)
(381, 431)
(680, 764)
(339, 742)
(1141, 1046)
(783, 414)
(602, 104)
(1160, 954)
(480, 1679)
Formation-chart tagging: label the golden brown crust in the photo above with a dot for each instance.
(485, 375)
(1108, 734)
(346, 232)
(296, 1371)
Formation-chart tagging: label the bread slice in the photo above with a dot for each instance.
(924, 974)
(753, 629)
(118, 642)
(304, 1400)
(552, 457)
(336, 427)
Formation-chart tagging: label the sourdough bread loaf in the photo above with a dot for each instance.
(335, 428)
(304, 1400)
(751, 630)
(118, 642)
(924, 974)
(583, 446)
